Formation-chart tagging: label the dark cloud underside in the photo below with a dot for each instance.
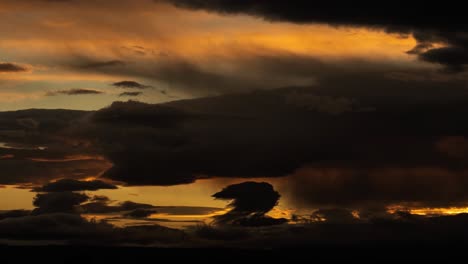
(130, 85)
(131, 94)
(71, 185)
(11, 67)
(74, 92)
(102, 64)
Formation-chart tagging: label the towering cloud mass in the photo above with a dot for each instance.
(251, 201)
(58, 202)
(346, 106)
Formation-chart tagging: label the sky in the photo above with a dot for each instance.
(51, 47)
(186, 122)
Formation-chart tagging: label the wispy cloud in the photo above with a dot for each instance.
(101, 64)
(74, 92)
(131, 85)
(130, 94)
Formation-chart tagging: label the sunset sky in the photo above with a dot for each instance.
(169, 114)
(63, 45)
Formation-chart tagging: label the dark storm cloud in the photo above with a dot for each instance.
(250, 197)
(71, 185)
(36, 151)
(74, 92)
(303, 11)
(130, 85)
(178, 142)
(251, 201)
(133, 112)
(58, 202)
(443, 24)
(131, 94)
(103, 64)
(454, 57)
(352, 186)
(11, 67)
(343, 123)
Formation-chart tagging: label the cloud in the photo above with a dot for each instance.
(251, 201)
(130, 85)
(71, 185)
(324, 104)
(358, 187)
(333, 215)
(329, 13)
(58, 202)
(11, 67)
(18, 170)
(74, 229)
(179, 142)
(329, 123)
(74, 92)
(454, 57)
(441, 24)
(130, 94)
(250, 197)
(103, 64)
(137, 113)
(140, 213)
(14, 214)
(103, 207)
(49, 226)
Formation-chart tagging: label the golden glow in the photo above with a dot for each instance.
(56, 43)
(428, 211)
(356, 214)
(279, 212)
(71, 158)
(7, 156)
(12, 198)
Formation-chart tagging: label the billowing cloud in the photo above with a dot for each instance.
(180, 142)
(71, 185)
(251, 201)
(74, 92)
(58, 202)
